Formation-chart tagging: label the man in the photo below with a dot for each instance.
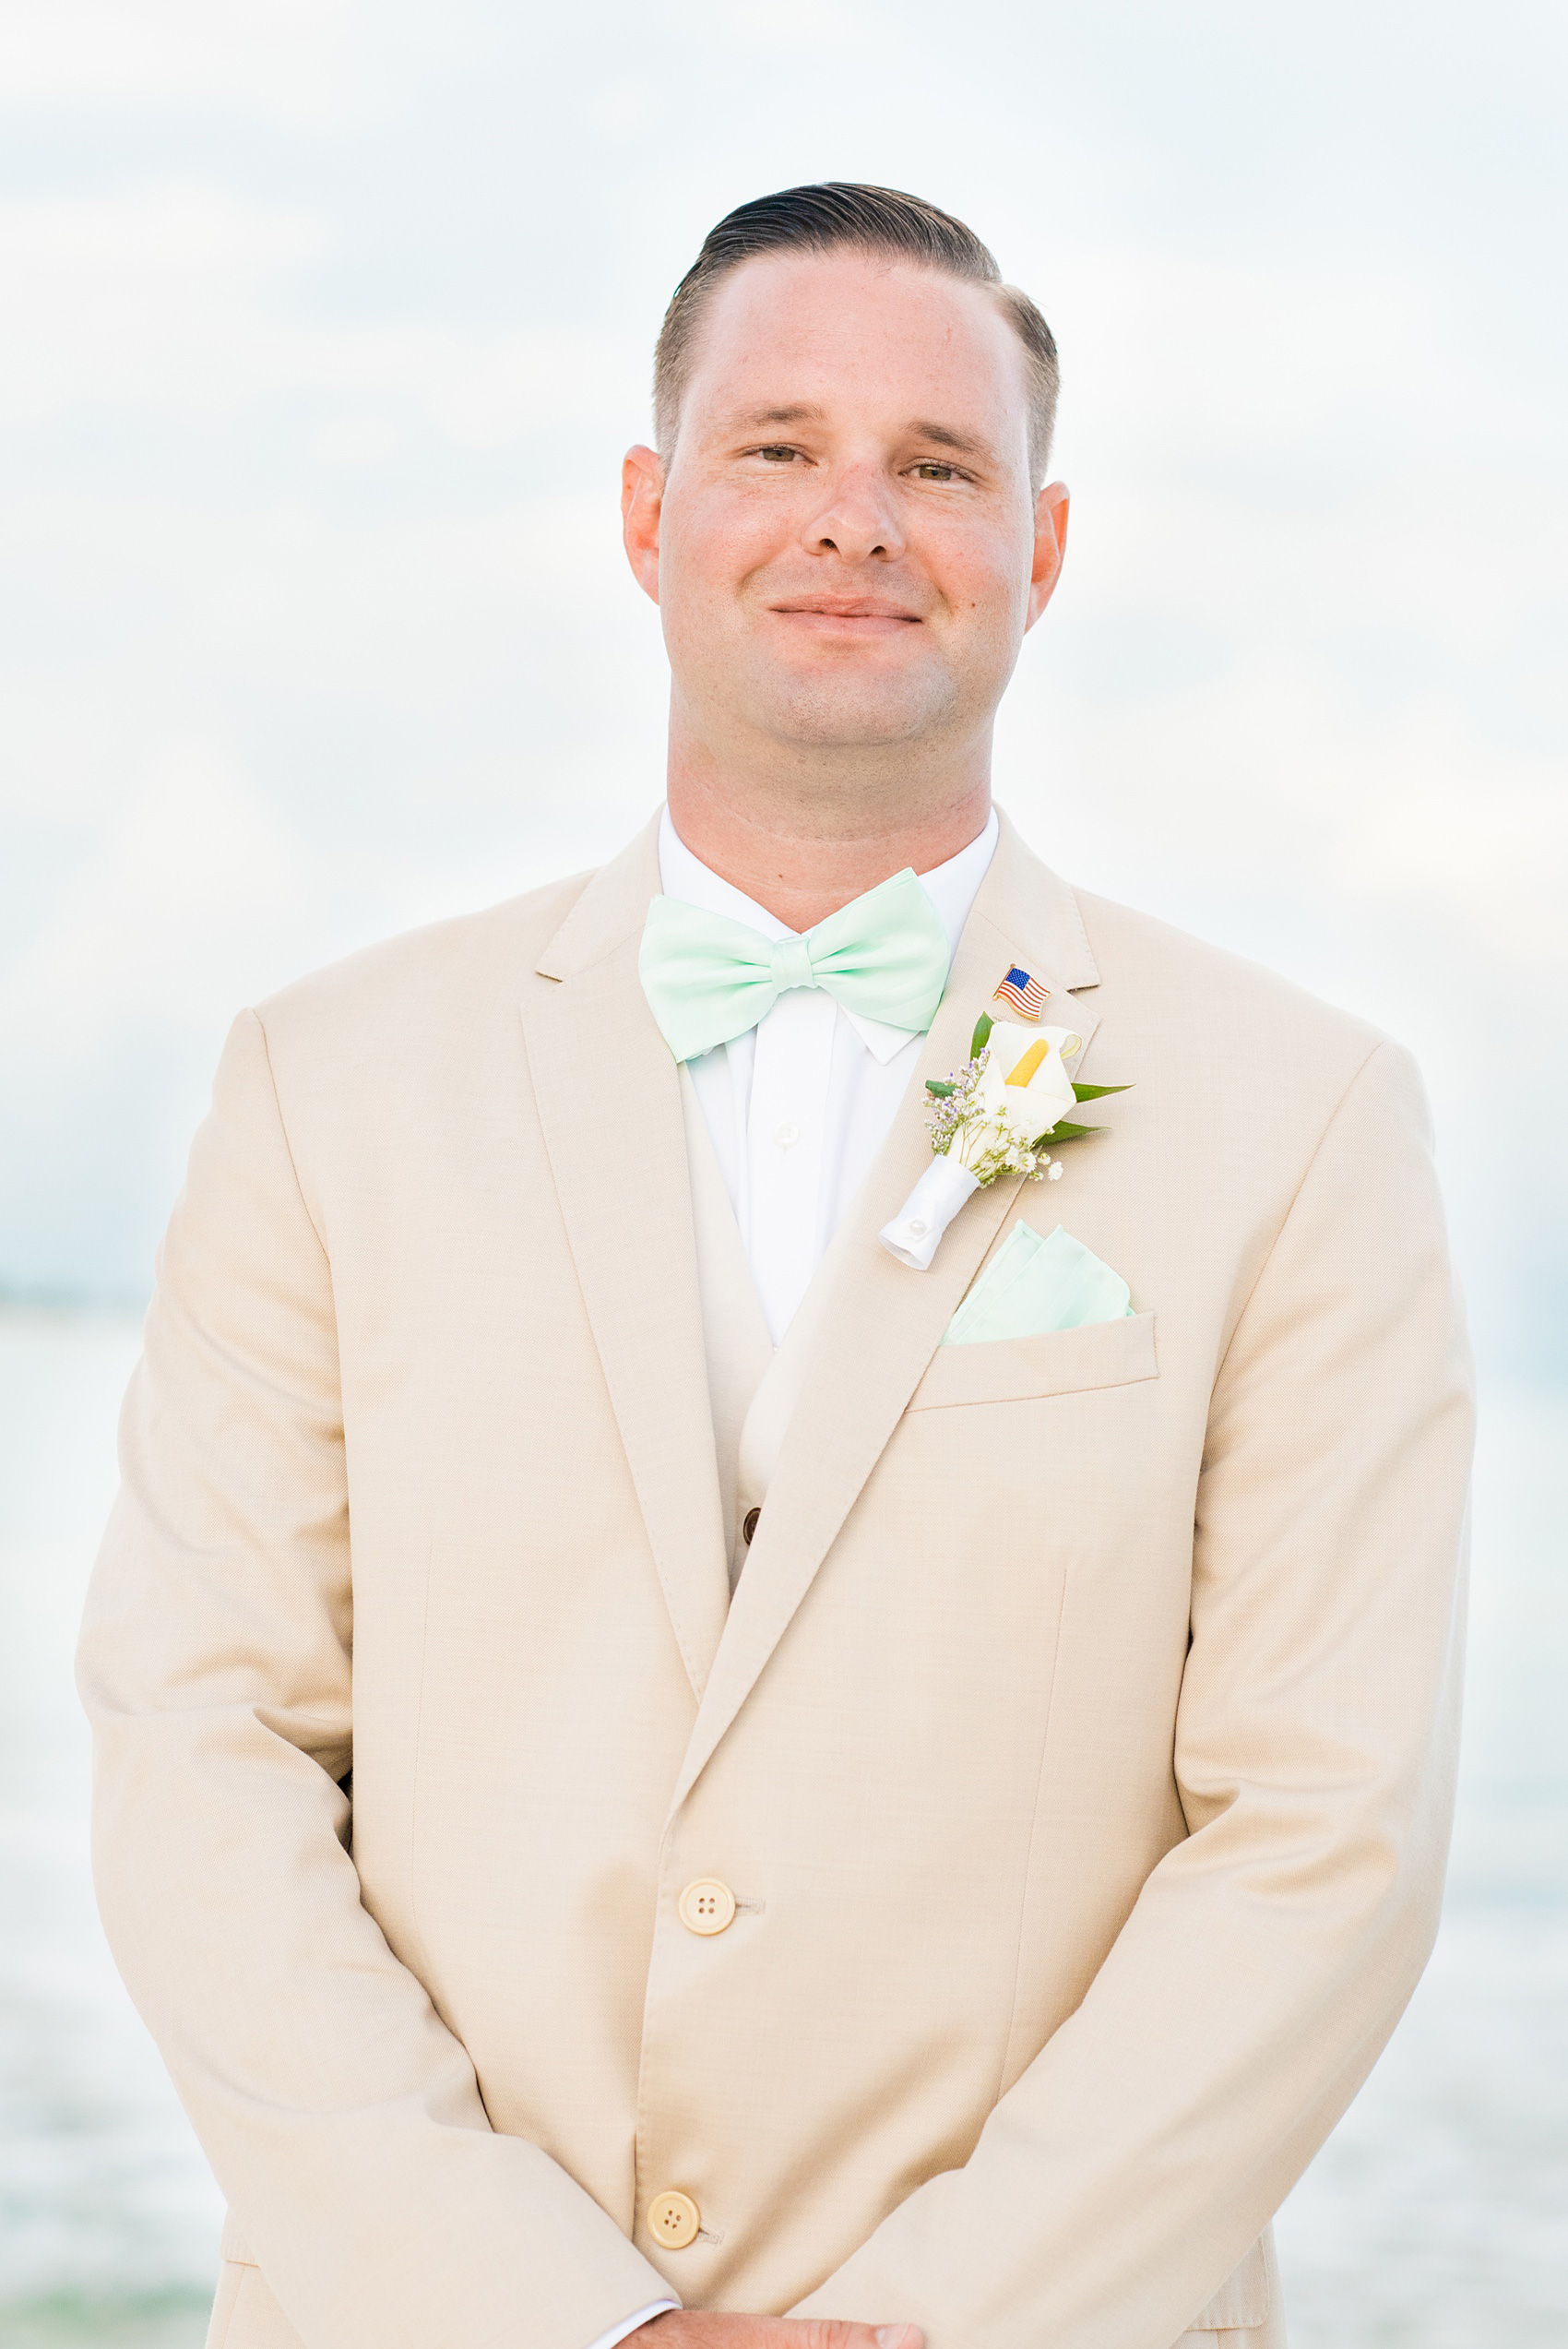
(883, 1837)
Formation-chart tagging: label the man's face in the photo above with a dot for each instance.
(845, 544)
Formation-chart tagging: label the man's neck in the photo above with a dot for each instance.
(802, 858)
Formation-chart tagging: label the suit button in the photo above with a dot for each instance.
(673, 2220)
(705, 1905)
(749, 1524)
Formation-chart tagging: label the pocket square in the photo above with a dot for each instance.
(1037, 1284)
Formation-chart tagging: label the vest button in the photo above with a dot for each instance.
(705, 1905)
(749, 1524)
(673, 2220)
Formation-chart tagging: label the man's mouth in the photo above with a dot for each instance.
(848, 614)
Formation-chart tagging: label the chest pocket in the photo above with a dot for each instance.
(1061, 1362)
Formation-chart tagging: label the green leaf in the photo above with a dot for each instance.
(1067, 1133)
(1097, 1092)
(981, 1036)
(941, 1087)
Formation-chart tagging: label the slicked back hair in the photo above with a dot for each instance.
(837, 216)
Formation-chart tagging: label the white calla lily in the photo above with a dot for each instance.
(1024, 1087)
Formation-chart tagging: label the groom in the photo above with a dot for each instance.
(656, 1758)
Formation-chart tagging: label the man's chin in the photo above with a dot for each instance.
(839, 717)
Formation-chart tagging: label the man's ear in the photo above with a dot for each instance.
(642, 503)
(1051, 545)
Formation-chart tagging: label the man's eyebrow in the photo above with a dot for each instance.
(924, 428)
(753, 419)
(946, 436)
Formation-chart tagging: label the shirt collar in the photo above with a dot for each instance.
(952, 888)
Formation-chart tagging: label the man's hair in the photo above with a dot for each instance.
(836, 216)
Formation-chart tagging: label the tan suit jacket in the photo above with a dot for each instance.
(1078, 1744)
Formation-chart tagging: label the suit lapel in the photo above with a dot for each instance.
(883, 1322)
(609, 1102)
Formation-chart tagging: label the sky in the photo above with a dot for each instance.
(326, 325)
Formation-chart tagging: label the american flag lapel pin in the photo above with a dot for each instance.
(1021, 994)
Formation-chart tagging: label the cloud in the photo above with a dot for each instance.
(287, 58)
(185, 304)
(327, 329)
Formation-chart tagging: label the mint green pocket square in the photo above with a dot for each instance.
(1033, 1284)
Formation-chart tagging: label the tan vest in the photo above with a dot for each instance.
(752, 1384)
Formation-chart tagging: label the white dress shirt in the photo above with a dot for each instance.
(798, 1108)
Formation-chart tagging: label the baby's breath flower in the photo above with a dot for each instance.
(962, 1130)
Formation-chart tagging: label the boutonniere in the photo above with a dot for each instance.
(1002, 1112)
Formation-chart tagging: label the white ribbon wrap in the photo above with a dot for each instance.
(913, 1234)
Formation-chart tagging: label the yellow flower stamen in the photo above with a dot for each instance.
(1029, 1063)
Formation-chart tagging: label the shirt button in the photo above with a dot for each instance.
(673, 2220)
(749, 1524)
(787, 1135)
(705, 1905)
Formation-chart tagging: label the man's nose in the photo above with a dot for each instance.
(860, 521)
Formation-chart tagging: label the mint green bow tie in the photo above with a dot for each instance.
(707, 978)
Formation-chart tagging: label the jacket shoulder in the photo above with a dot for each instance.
(1163, 976)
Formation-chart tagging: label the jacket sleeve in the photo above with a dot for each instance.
(341, 2116)
(1270, 1953)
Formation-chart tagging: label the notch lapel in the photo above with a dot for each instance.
(618, 1153)
(883, 1322)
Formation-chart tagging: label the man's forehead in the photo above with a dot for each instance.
(787, 336)
(782, 295)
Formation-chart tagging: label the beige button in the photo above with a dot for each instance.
(673, 2220)
(705, 1905)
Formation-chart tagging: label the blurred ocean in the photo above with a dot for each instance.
(1437, 2217)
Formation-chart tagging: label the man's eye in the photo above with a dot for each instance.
(779, 456)
(931, 469)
